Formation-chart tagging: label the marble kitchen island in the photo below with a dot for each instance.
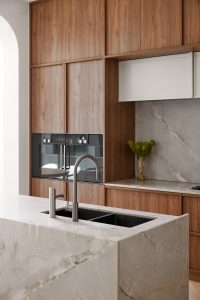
(56, 259)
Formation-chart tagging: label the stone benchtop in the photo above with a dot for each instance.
(28, 209)
(156, 185)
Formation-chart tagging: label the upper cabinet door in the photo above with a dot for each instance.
(85, 97)
(156, 78)
(85, 33)
(161, 23)
(48, 99)
(47, 32)
(123, 18)
(191, 21)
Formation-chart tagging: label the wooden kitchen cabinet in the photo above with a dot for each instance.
(48, 99)
(161, 24)
(191, 25)
(47, 32)
(191, 206)
(85, 97)
(66, 30)
(122, 26)
(90, 193)
(85, 32)
(40, 187)
(194, 252)
(145, 201)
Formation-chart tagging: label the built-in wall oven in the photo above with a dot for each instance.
(54, 156)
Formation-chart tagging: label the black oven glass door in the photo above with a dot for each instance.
(86, 169)
(53, 160)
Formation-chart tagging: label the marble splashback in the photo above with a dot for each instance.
(175, 125)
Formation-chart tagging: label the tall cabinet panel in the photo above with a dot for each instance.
(85, 97)
(161, 23)
(191, 21)
(123, 19)
(47, 32)
(85, 35)
(48, 99)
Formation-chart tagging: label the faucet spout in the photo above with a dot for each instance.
(75, 202)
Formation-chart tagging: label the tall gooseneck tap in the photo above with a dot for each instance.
(75, 202)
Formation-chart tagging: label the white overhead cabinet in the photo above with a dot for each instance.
(157, 78)
(197, 75)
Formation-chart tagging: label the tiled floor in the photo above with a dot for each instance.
(194, 290)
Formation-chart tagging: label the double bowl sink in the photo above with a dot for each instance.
(105, 217)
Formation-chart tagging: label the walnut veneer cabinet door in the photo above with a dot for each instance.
(170, 204)
(47, 32)
(40, 187)
(191, 21)
(161, 23)
(48, 99)
(85, 99)
(127, 199)
(195, 255)
(85, 33)
(90, 193)
(123, 19)
(191, 206)
(145, 201)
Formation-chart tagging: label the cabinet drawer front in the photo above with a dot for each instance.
(191, 205)
(164, 203)
(146, 201)
(195, 252)
(126, 199)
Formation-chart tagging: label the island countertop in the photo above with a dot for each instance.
(43, 258)
(156, 185)
(28, 209)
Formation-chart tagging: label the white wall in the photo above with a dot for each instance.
(16, 13)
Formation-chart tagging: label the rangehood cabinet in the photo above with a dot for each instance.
(160, 78)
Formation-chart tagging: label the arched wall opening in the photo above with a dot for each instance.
(9, 109)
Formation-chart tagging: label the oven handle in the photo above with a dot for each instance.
(64, 154)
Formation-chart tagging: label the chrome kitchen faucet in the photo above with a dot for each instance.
(75, 202)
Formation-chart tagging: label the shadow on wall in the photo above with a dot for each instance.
(9, 112)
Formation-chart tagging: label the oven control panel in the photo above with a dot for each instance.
(77, 139)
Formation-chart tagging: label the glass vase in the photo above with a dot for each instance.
(140, 168)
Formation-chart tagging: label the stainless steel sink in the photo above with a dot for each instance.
(103, 216)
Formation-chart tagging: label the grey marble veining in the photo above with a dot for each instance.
(43, 259)
(175, 125)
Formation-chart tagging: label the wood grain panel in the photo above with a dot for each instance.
(122, 198)
(119, 128)
(191, 21)
(194, 252)
(164, 203)
(161, 23)
(90, 193)
(47, 32)
(85, 97)
(123, 18)
(85, 33)
(48, 99)
(40, 187)
(146, 201)
(191, 205)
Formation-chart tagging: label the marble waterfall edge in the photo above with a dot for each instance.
(42, 263)
(56, 259)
